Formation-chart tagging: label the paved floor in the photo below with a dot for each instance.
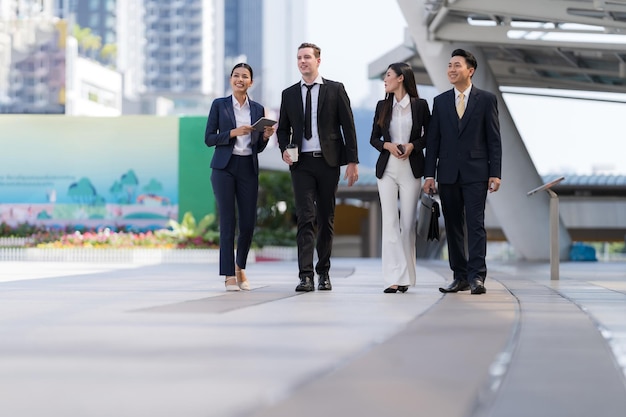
(166, 340)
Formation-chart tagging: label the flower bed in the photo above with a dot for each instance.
(106, 239)
(185, 242)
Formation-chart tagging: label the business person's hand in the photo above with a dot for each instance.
(429, 186)
(494, 184)
(352, 174)
(287, 158)
(396, 149)
(407, 149)
(268, 131)
(241, 131)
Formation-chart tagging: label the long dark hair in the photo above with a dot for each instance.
(400, 68)
(243, 65)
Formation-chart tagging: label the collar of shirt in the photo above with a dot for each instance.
(318, 80)
(466, 94)
(405, 101)
(239, 106)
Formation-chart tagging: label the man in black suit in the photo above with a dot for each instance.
(464, 149)
(326, 140)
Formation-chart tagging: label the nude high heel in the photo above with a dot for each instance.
(242, 281)
(231, 284)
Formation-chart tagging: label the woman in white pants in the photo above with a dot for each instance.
(399, 133)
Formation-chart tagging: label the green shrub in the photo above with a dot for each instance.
(276, 211)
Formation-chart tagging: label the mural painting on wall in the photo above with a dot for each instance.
(56, 180)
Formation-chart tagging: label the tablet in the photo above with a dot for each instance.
(262, 122)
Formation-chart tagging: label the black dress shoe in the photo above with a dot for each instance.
(456, 286)
(477, 286)
(390, 290)
(324, 283)
(306, 284)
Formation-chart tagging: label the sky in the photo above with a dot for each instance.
(563, 136)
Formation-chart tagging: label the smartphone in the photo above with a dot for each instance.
(401, 149)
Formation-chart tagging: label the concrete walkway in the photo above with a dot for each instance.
(166, 340)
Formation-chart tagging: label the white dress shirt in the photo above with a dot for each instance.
(401, 120)
(313, 144)
(242, 117)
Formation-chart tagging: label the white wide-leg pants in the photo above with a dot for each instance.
(398, 241)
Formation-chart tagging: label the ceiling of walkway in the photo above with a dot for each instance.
(560, 44)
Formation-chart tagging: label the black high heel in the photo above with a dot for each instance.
(403, 288)
(390, 290)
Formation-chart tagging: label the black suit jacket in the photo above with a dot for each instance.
(335, 122)
(421, 119)
(470, 147)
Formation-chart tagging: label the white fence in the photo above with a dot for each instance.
(136, 256)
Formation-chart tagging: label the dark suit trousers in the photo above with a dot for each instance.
(464, 205)
(238, 185)
(314, 188)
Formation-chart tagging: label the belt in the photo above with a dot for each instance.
(314, 154)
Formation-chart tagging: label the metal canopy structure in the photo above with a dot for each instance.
(557, 44)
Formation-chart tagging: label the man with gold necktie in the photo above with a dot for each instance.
(464, 153)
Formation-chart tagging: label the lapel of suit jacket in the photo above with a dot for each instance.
(449, 106)
(255, 114)
(414, 133)
(297, 97)
(231, 111)
(321, 96)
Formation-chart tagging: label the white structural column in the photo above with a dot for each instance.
(525, 221)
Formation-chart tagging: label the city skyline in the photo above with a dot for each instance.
(555, 141)
(568, 135)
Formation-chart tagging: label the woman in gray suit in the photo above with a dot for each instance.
(398, 133)
(235, 171)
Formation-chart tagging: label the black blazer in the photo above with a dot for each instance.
(421, 119)
(335, 122)
(221, 121)
(470, 148)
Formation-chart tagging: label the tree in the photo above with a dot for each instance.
(129, 181)
(92, 44)
(117, 190)
(83, 192)
(108, 53)
(87, 41)
(153, 187)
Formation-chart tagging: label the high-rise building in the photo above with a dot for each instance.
(64, 9)
(175, 55)
(266, 35)
(284, 29)
(171, 52)
(243, 41)
(97, 15)
(32, 57)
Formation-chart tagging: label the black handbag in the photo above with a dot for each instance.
(428, 218)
